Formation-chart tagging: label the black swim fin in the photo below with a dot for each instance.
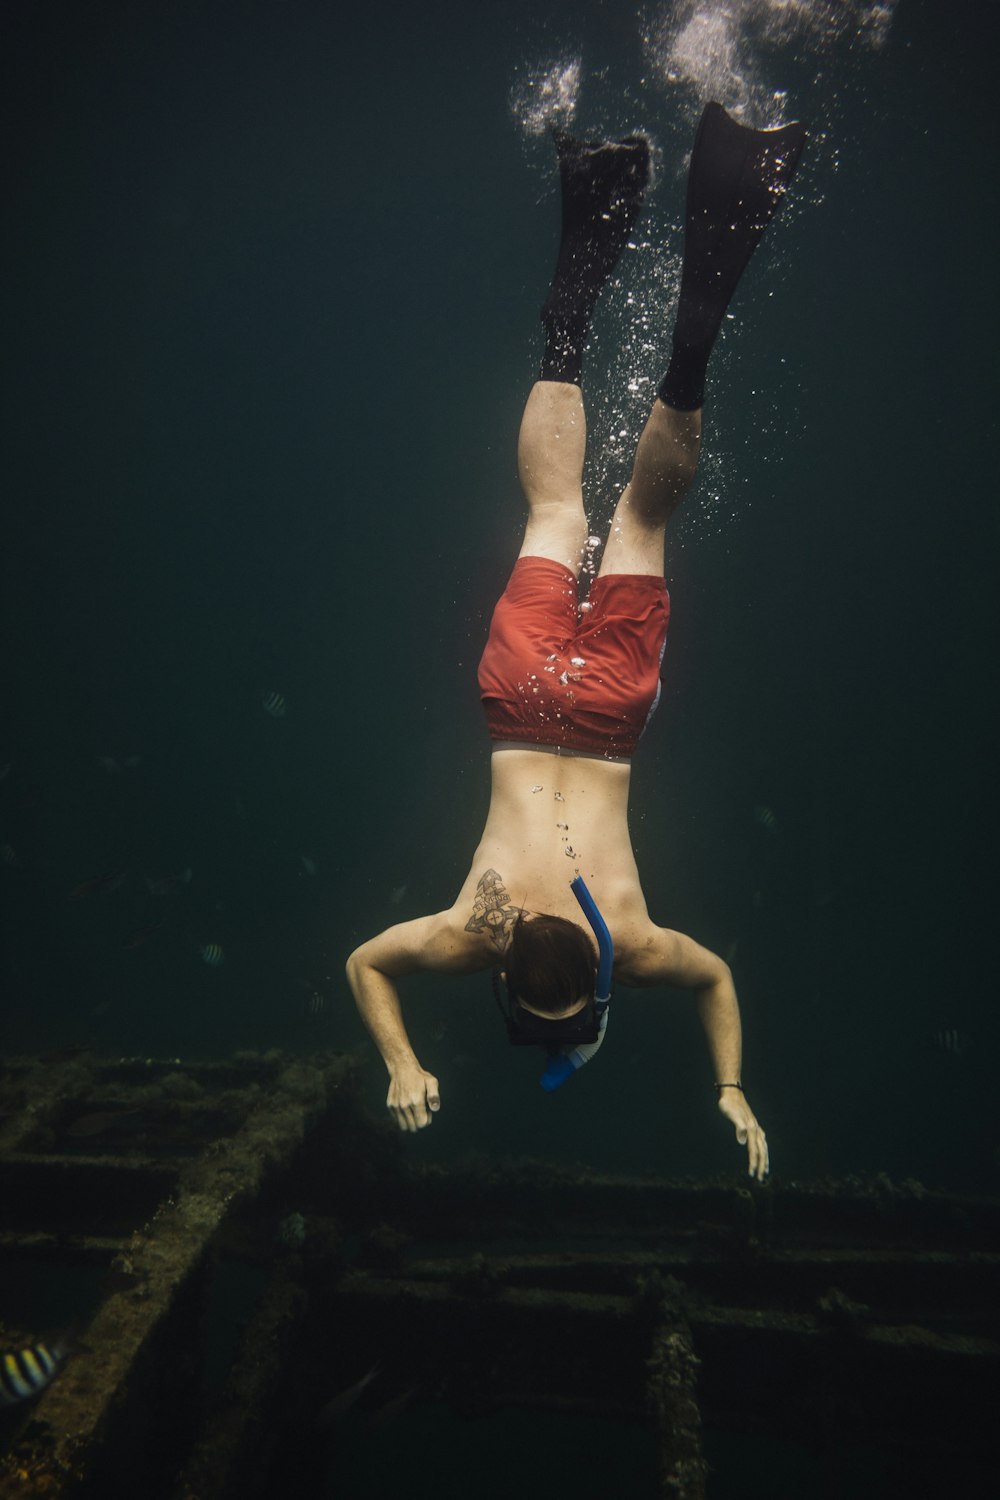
(736, 183)
(602, 187)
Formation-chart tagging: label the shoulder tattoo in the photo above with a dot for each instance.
(493, 912)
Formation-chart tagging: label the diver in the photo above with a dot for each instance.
(568, 685)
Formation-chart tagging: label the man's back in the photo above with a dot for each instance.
(552, 817)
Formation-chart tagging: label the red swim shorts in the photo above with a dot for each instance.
(555, 673)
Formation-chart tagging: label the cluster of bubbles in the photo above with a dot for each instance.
(591, 547)
(546, 96)
(716, 50)
(715, 47)
(638, 300)
(749, 55)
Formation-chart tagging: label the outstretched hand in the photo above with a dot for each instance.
(413, 1098)
(736, 1109)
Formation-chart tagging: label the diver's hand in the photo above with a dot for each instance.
(413, 1097)
(736, 1109)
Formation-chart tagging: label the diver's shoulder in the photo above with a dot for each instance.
(637, 942)
(463, 948)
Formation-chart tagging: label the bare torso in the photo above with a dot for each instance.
(552, 817)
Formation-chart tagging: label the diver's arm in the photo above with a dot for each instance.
(665, 957)
(372, 969)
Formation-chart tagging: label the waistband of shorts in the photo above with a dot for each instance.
(509, 744)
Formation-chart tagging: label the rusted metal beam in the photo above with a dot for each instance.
(672, 1391)
(863, 1306)
(90, 1413)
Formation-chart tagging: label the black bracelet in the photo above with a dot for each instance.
(720, 1086)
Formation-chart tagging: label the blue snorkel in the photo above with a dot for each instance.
(566, 1062)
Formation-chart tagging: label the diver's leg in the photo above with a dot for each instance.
(602, 185)
(736, 182)
(550, 452)
(665, 463)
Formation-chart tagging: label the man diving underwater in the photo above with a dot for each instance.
(569, 686)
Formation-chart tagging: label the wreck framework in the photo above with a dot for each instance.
(835, 1315)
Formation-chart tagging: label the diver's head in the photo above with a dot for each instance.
(556, 998)
(550, 968)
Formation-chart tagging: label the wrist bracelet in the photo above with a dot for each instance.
(720, 1086)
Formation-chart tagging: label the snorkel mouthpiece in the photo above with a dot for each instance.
(566, 1062)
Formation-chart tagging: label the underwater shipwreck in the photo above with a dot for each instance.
(240, 1241)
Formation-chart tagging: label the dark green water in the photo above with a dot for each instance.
(270, 314)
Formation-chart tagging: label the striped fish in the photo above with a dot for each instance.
(765, 817)
(274, 704)
(213, 954)
(25, 1373)
(950, 1039)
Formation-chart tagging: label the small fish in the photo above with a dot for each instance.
(309, 865)
(25, 1373)
(143, 934)
(397, 893)
(98, 885)
(165, 885)
(950, 1039)
(765, 817)
(317, 1002)
(342, 1402)
(274, 704)
(213, 954)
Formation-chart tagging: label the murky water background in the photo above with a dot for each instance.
(271, 304)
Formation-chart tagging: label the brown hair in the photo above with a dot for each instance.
(550, 963)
